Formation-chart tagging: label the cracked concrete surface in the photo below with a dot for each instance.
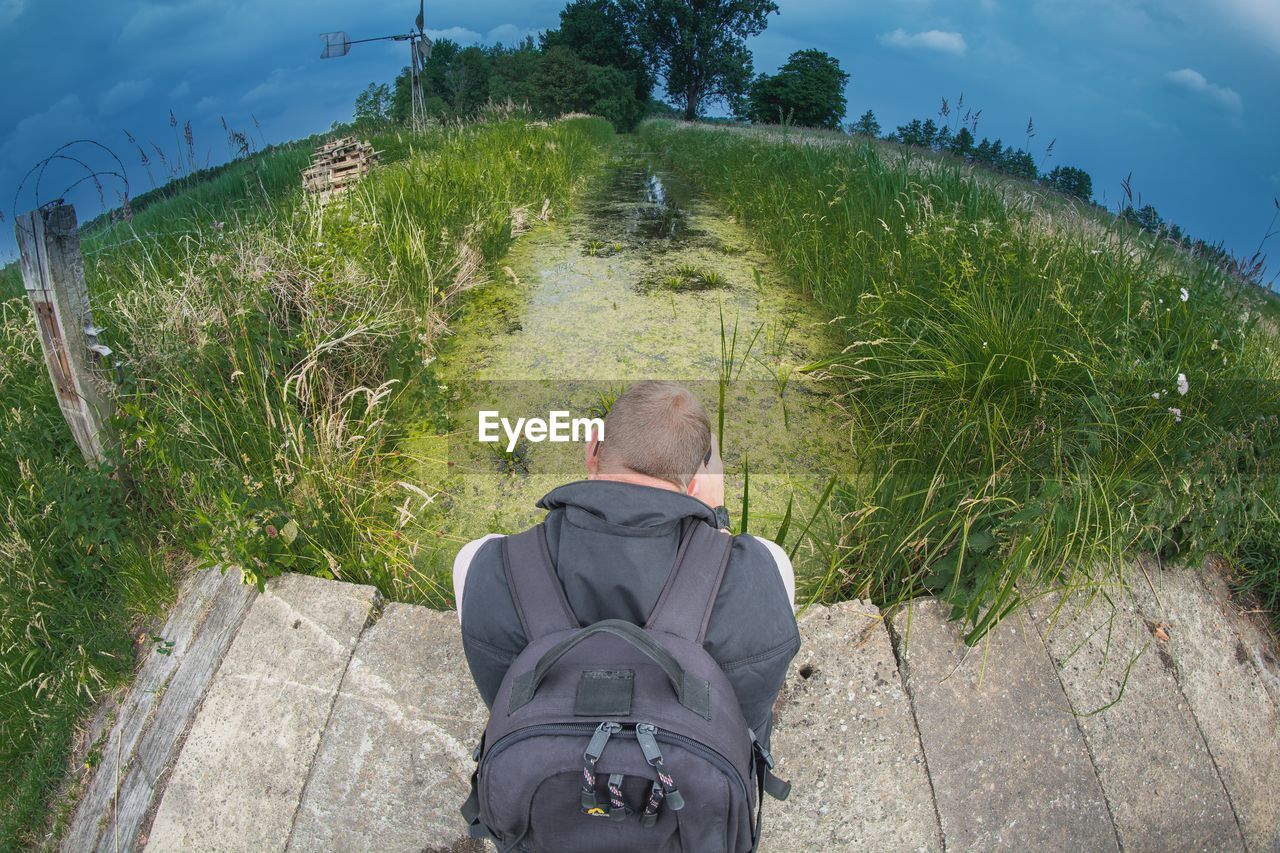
(329, 728)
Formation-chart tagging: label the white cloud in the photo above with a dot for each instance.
(1192, 81)
(508, 34)
(939, 40)
(10, 10)
(123, 95)
(461, 35)
(1258, 18)
(207, 104)
(180, 91)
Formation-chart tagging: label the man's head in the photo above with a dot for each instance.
(655, 430)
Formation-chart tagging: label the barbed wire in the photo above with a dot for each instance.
(39, 170)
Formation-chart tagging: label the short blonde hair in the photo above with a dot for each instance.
(658, 429)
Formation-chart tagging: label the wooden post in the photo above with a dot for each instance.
(53, 272)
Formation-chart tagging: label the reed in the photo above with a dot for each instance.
(264, 340)
(1038, 395)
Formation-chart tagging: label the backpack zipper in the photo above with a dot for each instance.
(629, 733)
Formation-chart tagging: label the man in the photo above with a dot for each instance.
(613, 540)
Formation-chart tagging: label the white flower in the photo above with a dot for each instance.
(1183, 386)
(1155, 396)
(1177, 414)
(1183, 293)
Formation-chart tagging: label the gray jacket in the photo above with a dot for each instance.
(613, 545)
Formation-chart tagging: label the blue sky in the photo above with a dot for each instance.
(1185, 94)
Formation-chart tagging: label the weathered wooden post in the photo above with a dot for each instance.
(53, 272)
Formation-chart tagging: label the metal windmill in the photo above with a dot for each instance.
(339, 44)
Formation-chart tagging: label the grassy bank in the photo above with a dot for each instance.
(263, 339)
(1039, 395)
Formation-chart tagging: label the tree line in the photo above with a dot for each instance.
(958, 140)
(954, 135)
(607, 58)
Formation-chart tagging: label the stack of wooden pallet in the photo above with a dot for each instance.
(337, 165)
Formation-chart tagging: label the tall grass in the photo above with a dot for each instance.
(71, 581)
(263, 339)
(1037, 396)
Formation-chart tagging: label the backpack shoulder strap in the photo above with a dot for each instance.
(535, 588)
(684, 607)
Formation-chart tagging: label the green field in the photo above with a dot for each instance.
(1007, 364)
(264, 339)
(1038, 395)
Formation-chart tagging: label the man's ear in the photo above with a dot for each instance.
(591, 454)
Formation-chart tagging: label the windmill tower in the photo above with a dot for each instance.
(339, 44)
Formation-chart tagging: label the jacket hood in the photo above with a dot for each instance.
(611, 504)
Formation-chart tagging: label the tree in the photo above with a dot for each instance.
(564, 83)
(698, 47)
(1070, 181)
(512, 71)
(373, 105)
(962, 143)
(443, 53)
(1019, 164)
(928, 133)
(596, 30)
(1149, 218)
(808, 89)
(989, 153)
(467, 81)
(912, 133)
(866, 126)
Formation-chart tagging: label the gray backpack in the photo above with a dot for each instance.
(615, 738)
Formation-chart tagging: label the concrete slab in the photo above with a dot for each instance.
(845, 738)
(395, 761)
(1236, 715)
(137, 788)
(1257, 639)
(94, 824)
(1009, 767)
(1159, 780)
(239, 778)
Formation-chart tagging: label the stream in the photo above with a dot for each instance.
(645, 280)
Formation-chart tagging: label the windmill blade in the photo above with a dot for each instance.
(335, 45)
(424, 49)
(421, 9)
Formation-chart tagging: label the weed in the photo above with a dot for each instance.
(774, 360)
(513, 461)
(684, 278)
(731, 363)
